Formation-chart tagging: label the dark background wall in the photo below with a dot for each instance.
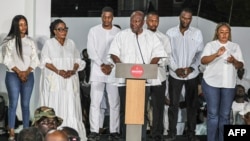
(235, 12)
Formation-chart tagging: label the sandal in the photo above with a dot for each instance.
(11, 135)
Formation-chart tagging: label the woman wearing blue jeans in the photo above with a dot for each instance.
(21, 58)
(221, 58)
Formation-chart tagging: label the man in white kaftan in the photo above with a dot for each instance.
(102, 76)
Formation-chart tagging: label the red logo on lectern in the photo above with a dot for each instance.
(136, 71)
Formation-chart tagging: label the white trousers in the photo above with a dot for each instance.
(104, 109)
(96, 95)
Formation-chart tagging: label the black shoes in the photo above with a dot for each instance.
(189, 137)
(193, 138)
(93, 136)
(158, 138)
(114, 137)
(170, 138)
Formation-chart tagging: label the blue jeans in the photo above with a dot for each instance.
(219, 103)
(15, 87)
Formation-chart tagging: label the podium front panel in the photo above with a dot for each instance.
(136, 71)
(135, 101)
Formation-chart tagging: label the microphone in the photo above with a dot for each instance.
(136, 34)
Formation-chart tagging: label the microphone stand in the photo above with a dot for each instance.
(139, 47)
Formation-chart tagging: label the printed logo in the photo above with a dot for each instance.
(136, 71)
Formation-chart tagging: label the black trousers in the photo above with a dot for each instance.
(191, 99)
(122, 93)
(157, 94)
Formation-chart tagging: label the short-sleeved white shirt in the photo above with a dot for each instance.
(219, 73)
(125, 46)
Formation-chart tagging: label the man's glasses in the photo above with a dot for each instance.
(62, 29)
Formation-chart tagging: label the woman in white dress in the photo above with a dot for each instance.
(59, 84)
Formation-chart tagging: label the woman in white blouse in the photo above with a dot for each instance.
(221, 58)
(21, 58)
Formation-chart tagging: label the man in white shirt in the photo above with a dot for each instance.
(187, 46)
(157, 90)
(139, 46)
(101, 75)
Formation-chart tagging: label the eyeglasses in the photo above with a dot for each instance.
(62, 29)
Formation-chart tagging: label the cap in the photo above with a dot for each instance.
(45, 112)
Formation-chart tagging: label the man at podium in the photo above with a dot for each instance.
(138, 46)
